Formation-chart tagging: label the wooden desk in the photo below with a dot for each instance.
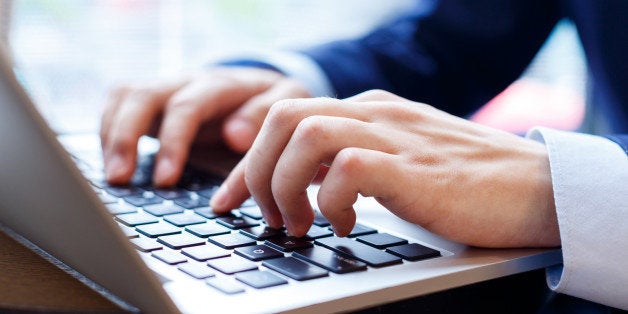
(29, 283)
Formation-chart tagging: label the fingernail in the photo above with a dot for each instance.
(240, 127)
(220, 198)
(241, 133)
(164, 170)
(116, 168)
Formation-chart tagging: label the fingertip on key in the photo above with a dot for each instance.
(220, 199)
(165, 173)
(117, 170)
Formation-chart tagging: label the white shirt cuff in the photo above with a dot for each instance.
(590, 181)
(297, 66)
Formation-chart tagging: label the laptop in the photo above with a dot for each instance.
(161, 251)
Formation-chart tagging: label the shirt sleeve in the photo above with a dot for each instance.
(293, 64)
(589, 176)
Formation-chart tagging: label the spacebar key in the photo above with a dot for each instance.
(362, 252)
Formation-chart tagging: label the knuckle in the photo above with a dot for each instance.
(295, 87)
(143, 96)
(423, 107)
(123, 142)
(118, 91)
(349, 161)
(187, 108)
(277, 186)
(179, 103)
(379, 93)
(282, 112)
(375, 94)
(252, 178)
(311, 130)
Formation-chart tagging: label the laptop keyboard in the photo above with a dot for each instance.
(238, 251)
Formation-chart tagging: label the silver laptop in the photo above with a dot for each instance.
(164, 251)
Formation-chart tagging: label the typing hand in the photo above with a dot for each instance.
(464, 181)
(223, 106)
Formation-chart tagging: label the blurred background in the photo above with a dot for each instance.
(69, 53)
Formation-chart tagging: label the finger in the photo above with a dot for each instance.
(242, 126)
(320, 175)
(275, 133)
(376, 95)
(234, 192)
(114, 100)
(132, 119)
(356, 171)
(201, 101)
(184, 112)
(315, 141)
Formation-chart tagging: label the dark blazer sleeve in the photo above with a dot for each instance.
(456, 56)
(621, 140)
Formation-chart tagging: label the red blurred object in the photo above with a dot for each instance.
(528, 103)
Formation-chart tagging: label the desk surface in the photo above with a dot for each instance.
(29, 283)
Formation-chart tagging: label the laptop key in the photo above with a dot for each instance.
(208, 213)
(231, 240)
(360, 251)
(237, 222)
(191, 203)
(184, 219)
(194, 183)
(169, 257)
(146, 245)
(359, 230)
(140, 200)
(107, 199)
(231, 265)
(320, 220)
(381, 240)
(294, 268)
(260, 279)
(117, 208)
(171, 194)
(157, 229)
(316, 232)
(207, 192)
(122, 191)
(205, 252)
(207, 229)
(258, 252)
(198, 271)
(225, 285)
(179, 241)
(249, 202)
(163, 209)
(252, 211)
(136, 219)
(413, 252)
(128, 232)
(262, 233)
(330, 260)
(288, 244)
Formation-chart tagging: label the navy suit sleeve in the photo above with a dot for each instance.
(455, 57)
(621, 140)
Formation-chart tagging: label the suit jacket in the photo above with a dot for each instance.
(456, 55)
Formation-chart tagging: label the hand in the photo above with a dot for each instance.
(220, 106)
(461, 180)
